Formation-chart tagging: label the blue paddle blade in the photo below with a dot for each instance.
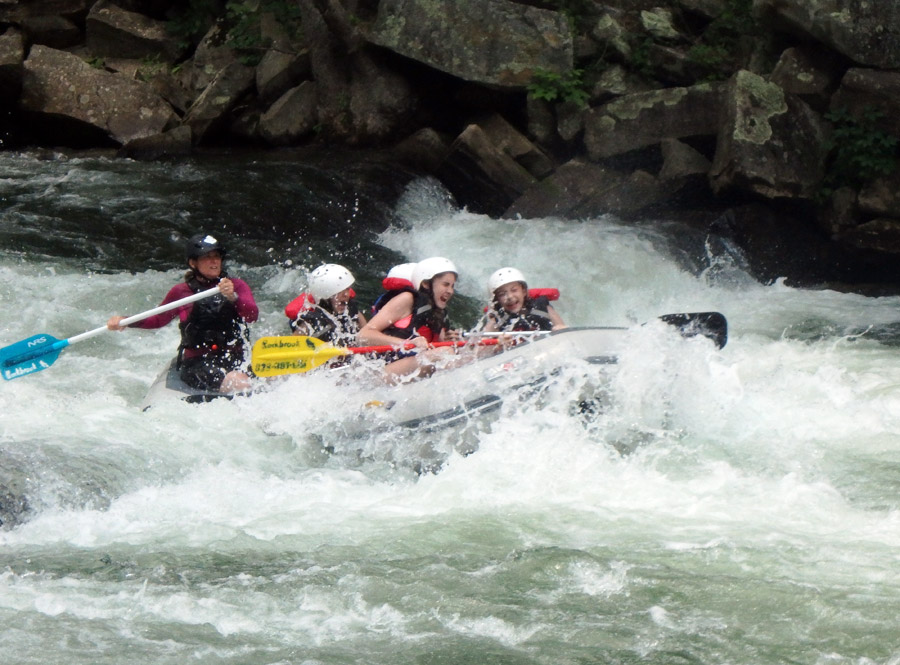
(29, 356)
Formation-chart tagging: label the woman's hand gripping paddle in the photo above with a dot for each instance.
(273, 356)
(40, 351)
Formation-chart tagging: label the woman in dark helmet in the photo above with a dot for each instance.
(213, 330)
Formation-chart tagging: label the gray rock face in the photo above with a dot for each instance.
(292, 117)
(643, 119)
(56, 83)
(12, 52)
(770, 143)
(486, 41)
(866, 32)
(114, 32)
(209, 112)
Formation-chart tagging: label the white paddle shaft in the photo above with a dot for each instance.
(175, 304)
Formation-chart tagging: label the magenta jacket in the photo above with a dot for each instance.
(245, 305)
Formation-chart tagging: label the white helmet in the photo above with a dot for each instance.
(428, 268)
(328, 280)
(504, 276)
(402, 271)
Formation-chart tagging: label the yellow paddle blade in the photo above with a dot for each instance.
(273, 356)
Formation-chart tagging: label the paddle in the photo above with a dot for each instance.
(711, 325)
(40, 351)
(273, 356)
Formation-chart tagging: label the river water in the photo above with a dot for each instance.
(730, 506)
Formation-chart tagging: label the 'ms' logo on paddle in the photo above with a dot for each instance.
(36, 341)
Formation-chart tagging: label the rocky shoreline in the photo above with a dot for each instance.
(771, 123)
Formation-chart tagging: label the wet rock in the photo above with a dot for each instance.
(493, 42)
(53, 31)
(210, 112)
(481, 175)
(582, 190)
(864, 89)
(808, 72)
(882, 234)
(361, 97)
(881, 197)
(18, 12)
(12, 53)
(211, 56)
(58, 85)
(176, 142)
(117, 33)
(423, 151)
(770, 143)
(866, 32)
(292, 117)
(506, 138)
(643, 119)
(282, 67)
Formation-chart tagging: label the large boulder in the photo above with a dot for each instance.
(12, 54)
(59, 85)
(866, 32)
(493, 42)
(211, 56)
(16, 12)
(53, 31)
(116, 33)
(210, 113)
(361, 97)
(282, 66)
(644, 119)
(292, 117)
(862, 89)
(482, 175)
(770, 143)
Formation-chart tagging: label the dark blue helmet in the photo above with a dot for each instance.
(202, 244)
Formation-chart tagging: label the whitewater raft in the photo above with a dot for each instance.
(461, 393)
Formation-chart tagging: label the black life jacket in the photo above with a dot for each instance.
(533, 316)
(339, 329)
(383, 299)
(424, 320)
(213, 324)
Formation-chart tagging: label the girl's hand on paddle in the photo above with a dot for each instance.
(113, 323)
(226, 288)
(416, 343)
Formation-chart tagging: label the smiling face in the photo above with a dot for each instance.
(339, 301)
(511, 297)
(209, 265)
(443, 287)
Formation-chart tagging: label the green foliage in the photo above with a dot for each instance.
(243, 19)
(713, 58)
(640, 55)
(717, 50)
(735, 20)
(858, 150)
(579, 12)
(192, 20)
(240, 20)
(97, 62)
(553, 87)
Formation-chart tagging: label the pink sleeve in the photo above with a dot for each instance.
(177, 292)
(246, 306)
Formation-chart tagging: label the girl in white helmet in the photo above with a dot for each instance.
(398, 280)
(512, 309)
(415, 317)
(328, 311)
